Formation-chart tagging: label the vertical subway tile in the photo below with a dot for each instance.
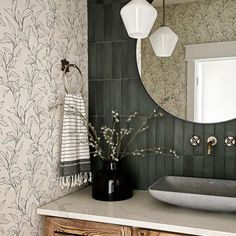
(129, 165)
(169, 130)
(99, 23)
(160, 141)
(116, 92)
(112, 90)
(107, 102)
(107, 61)
(92, 2)
(98, 122)
(124, 34)
(107, 2)
(129, 99)
(151, 169)
(99, 61)
(99, 98)
(219, 151)
(159, 166)
(151, 132)
(142, 173)
(230, 152)
(188, 132)
(145, 104)
(94, 166)
(92, 98)
(116, 60)
(169, 143)
(230, 167)
(208, 165)
(91, 24)
(188, 149)
(179, 146)
(151, 157)
(108, 19)
(137, 162)
(142, 161)
(199, 131)
(92, 61)
(198, 166)
(198, 160)
(132, 63)
(230, 130)
(125, 59)
(160, 131)
(116, 21)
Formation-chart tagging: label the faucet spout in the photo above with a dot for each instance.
(209, 148)
(211, 141)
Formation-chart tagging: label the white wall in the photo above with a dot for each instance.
(34, 36)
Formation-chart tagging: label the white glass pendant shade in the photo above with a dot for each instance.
(138, 17)
(163, 41)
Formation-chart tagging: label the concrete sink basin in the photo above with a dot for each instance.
(196, 193)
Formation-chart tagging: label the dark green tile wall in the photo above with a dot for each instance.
(114, 84)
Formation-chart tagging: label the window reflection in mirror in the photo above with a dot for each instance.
(211, 81)
(214, 92)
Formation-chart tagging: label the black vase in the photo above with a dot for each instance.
(111, 183)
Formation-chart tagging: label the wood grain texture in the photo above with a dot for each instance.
(64, 234)
(49, 226)
(147, 232)
(71, 227)
(55, 226)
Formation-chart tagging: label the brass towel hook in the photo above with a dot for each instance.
(65, 65)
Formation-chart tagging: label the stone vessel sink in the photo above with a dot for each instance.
(196, 193)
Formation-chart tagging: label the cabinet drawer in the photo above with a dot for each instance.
(64, 227)
(147, 232)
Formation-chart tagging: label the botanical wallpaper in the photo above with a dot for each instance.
(34, 36)
(203, 21)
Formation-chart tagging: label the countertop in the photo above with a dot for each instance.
(141, 211)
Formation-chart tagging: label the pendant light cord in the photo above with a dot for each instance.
(164, 13)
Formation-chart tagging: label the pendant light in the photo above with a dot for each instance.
(163, 40)
(138, 17)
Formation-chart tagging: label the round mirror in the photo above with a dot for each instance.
(198, 81)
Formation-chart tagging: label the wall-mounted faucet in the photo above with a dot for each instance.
(211, 141)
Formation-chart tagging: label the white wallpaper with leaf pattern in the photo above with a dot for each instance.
(34, 36)
(203, 21)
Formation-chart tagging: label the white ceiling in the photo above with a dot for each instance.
(168, 2)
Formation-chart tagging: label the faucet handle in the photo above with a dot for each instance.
(195, 140)
(229, 141)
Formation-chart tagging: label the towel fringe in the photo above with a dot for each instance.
(75, 180)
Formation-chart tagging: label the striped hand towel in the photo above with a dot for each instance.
(75, 159)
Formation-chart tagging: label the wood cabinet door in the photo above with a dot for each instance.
(147, 232)
(69, 227)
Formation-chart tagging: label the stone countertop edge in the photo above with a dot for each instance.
(141, 211)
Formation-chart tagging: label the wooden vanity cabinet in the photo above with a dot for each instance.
(148, 232)
(69, 227)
